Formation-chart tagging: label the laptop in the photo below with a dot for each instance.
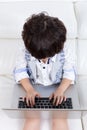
(13, 111)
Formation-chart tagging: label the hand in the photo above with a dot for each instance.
(30, 96)
(58, 96)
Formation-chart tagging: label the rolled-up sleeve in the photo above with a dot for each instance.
(69, 67)
(20, 70)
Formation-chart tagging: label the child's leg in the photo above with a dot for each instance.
(59, 124)
(32, 124)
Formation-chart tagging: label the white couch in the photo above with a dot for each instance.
(12, 17)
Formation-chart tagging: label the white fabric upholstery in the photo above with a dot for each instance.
(8, 54)
(82, 91)
(11, 23)
(81, 15)
(84, 121)
(82, 57)
(6, 81)
(37, 0)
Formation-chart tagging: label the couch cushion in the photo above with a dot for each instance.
(82, 57)
(14, 14)
(81, 15)
(7, 81)
(8, 54)
(84, 119)
(82, 91)
(37, 0)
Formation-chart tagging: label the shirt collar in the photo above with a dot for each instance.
(53, 59)
(33, 58)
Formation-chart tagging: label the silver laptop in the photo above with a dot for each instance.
(13, 111)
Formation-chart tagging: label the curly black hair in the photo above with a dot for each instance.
(43, 35)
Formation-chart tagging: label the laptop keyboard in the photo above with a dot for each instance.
(45, 103)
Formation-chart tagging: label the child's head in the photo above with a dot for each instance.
(43, 35)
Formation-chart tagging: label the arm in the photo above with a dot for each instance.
(26, 84)
(65, 83)
(58, 95)
(20, 70)
(68, 76)
(22, 77)
(30, 92)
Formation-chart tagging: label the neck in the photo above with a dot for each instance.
(44, 60)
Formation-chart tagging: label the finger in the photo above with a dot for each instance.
(64, 98)
(27, 101)
(30, 101)
(23, 98)
(61, 99)
(51, 96)
(57, 101)
(33, 100)
(38, 95)
(54, 100)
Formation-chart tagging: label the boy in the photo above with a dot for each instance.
(44, 60)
